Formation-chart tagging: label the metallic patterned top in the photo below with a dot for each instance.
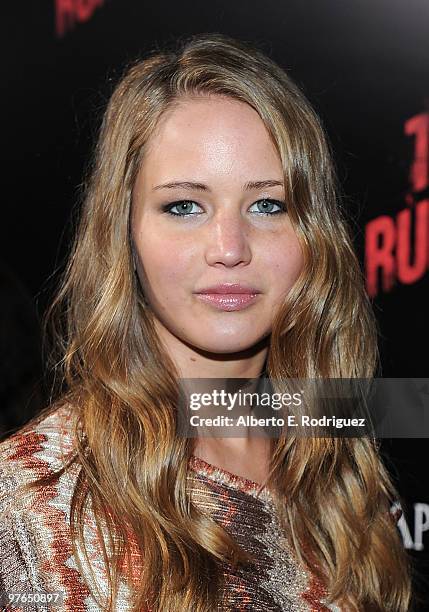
(35, 544)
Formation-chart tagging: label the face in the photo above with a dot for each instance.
(208, 210)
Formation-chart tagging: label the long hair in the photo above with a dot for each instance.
(123, 387)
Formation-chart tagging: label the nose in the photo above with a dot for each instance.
(228, 240)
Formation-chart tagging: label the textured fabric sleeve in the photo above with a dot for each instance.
(13, 571)
(36, 552)
(14, 564)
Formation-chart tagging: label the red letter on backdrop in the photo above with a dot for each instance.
(64, 15)
(379, 256)
(85, 8)
(419, 173)
(67, 11)
(410, 273)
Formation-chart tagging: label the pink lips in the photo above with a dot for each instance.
(229, 296)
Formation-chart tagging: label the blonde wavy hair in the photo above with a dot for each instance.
(124, 388)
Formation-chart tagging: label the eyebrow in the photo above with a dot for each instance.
(201, 187)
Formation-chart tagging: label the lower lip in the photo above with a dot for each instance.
(228, 301)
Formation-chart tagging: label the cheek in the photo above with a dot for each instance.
(285, 260)
(166, 260)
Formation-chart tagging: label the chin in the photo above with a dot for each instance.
(224, 346)
(215, 339)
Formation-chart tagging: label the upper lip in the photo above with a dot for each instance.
(229, 288)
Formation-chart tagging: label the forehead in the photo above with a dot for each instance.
(213, 135)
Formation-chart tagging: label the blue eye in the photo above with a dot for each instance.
(186, 207)
(265, 208)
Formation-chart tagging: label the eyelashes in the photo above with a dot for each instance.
(168, 208)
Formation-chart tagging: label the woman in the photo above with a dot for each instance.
(212, 175)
